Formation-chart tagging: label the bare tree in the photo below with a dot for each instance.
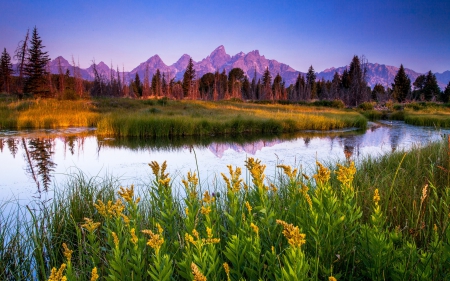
(20, 54)
(61, 84)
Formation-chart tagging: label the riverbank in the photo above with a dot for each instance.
(385, 219)
(156, 118)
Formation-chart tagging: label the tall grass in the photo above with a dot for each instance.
(386, 219)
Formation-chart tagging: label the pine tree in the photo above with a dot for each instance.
(137, 85)
(267, 81)
(35, 67)
(6, 71)
(445, 95)
(311, 83)
(277, 87)
(188, 78)
(431, 88)
(402, 85)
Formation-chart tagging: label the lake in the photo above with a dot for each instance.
(32, 162)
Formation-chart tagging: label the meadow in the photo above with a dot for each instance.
(385, 218)
(156, 118)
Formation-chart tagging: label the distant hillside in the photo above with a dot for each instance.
(250, 63)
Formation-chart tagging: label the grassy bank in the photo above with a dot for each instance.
(157, 118)
(387, 219)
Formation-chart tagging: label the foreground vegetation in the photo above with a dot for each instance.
(155, 118)
(386, 220)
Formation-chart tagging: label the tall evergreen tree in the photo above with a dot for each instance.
(402, 85)
(277, 87)
(267, 81)
(431, 90)
(137, 85)
(358, 84)
(188, 78)
(445, 95)
(419, 84)
(35, 67)
(311, 83)
(6, 71)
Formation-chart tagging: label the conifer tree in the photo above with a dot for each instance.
(402, 85)
(35, 67)
(277, 87)
(137, 85)
(431, 90)
(445, 95)
(6, 71)
(311, 83)
(267, 81)
(188, 78)
(20, 55)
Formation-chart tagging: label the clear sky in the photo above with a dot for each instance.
(298, 33)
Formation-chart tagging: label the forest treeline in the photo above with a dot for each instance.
(32, 77)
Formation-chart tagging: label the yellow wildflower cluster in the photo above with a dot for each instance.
(90, 225)
(67, 252)
(94, 274)
(127, 193)
(292, 234)
(304, 191)
(116, 239)
(226, 267)
(331, 278)
(164, 182)
(110, 210)
(248, 206)
(208, 199)
(234, 182)
(345, 174)
(376, 197)
(257, 171)
(191, 184)
(158, 171)
(323, 174)
(198, 276)
(210, 240)
(156, 240)
(255, 228)
(305, 176)
(134, 239)
(291, 174)
(57, 275)
(273, 187)
(205, 210)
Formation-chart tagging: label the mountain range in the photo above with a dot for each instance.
(251, 63)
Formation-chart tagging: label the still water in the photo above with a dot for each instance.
(34, 162)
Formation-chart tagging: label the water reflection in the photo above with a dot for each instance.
(47, 154)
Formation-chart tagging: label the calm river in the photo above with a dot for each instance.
(32, 162)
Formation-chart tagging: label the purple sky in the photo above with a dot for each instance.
(298, 33)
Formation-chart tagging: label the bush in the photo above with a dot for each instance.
(366, 106)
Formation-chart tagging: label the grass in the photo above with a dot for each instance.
(386, 219)
(162, 118)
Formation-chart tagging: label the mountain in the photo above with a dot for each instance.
(251, 63)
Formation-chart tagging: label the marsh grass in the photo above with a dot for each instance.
(386, 219)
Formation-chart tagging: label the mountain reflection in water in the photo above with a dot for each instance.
(35, 158)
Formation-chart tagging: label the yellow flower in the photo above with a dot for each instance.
(234, 182)
(331, 278)
(94, 275)
(208, 198)
(376, 197)
(57, 275)
(116, 239)
(292, 234)
(274, 188)
(164, 182)
(255, 228)
(186, 210)
(160, 229)
(323, 174)
(205, 210)
(257, 171)
(155, 168)
(227, 270)
(126, 220)
(345, 174)
(155, 241)
(195, 233)
(198, 275)
(209, 232)
(67, 252)
(304, 191)
(134, 238)
(189, 238)
(248, 206)
(435, 228)
(90, 225)
(292, 175)
(210, 241)
(127, 193)
(305, 176)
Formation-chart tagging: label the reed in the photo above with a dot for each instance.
(382, 219)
